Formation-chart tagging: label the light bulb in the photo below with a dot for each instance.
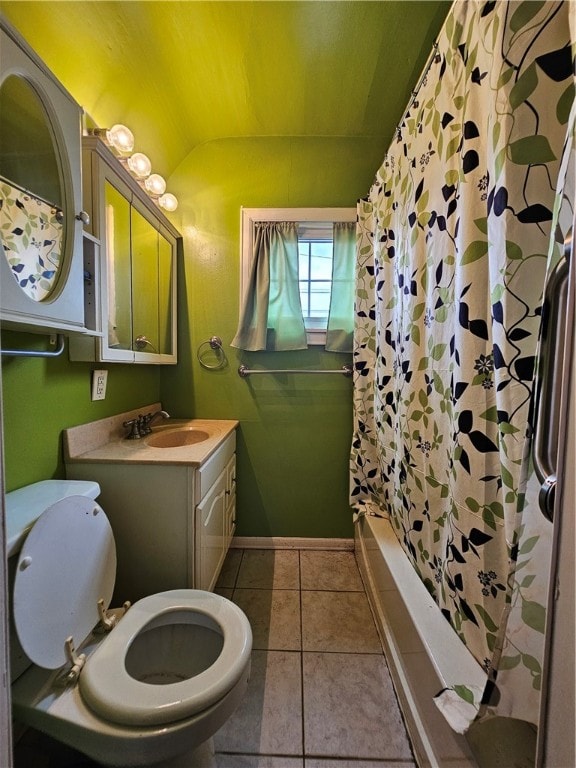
(121, 138)
(155, 184)
(140, 165)
(168, 202)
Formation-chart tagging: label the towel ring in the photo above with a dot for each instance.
(215, 343)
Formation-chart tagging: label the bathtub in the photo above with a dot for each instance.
(425, 655)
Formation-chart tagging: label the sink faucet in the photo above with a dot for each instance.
(146, 423)
(141, 425)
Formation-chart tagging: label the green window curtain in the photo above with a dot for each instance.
(271, 318)
(340, 329)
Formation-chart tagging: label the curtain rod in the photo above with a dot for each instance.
(431, 58)
(20, 188)
(244, 372)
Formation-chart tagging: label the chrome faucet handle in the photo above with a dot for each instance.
(144, 424)
(134, 433)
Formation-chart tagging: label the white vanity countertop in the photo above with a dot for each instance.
(104, 441)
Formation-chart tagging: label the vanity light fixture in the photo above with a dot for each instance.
(121, 138)
(155, 185)
(140, 165)
(118, 138)
(168, 201)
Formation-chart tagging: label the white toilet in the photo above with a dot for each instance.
(148, 684)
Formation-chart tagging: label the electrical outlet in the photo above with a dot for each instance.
(99, 379)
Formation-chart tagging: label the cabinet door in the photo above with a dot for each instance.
(230, 515)
(154, 298)
(118, 267)
(210, 546)
(41, 265)
(166, 295)
(138, 273)
(144, 284)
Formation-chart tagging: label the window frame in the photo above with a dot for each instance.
(250, 216)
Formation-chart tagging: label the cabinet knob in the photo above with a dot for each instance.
(140, 342)
(83, 217)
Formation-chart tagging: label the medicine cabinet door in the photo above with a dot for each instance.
(41, 264)
(137, 284)
(153, 290)
(119, 279)
(144, 284)
(166, 295)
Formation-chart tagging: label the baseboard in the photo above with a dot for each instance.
(290, 542)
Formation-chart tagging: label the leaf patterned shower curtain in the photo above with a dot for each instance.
(452, 252)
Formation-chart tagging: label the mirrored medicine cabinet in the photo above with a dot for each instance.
(130, 254)
(41, 264)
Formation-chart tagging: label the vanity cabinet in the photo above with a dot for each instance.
(230, 510)
(172, 523)
(130, 262)
(41, 258)
(215, 521)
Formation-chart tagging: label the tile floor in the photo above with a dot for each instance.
(320, 695)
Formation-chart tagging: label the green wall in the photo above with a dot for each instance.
(41, 397)
(295, 430)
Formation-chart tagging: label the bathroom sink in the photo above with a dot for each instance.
(177, 438)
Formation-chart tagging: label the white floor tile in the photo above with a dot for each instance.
(333, 762)
(259, 761)
(338, 621)
(269, 719)
(274, 615)
(269, 569)
(350, 708)
(329, 570)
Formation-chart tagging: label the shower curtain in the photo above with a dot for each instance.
(452, 252)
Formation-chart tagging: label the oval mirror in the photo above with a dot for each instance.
(31, 190)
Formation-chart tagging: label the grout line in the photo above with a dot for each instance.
(240, 564)
(303, 716)
(345, 653)
(296, 589)
(237, 576)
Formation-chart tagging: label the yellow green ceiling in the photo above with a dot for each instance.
(184, 73)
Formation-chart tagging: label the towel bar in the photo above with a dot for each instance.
(244, 372)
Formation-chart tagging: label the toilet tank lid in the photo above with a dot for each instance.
(25, 505)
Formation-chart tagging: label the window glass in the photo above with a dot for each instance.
(315, 275)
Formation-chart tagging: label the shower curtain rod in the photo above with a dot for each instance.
(244, 372)
(431, 58)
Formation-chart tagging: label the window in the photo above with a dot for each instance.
(315, 253)
(315, 250)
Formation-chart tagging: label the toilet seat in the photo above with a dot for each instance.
(67, 563)
(108, 688)
(112, 705)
